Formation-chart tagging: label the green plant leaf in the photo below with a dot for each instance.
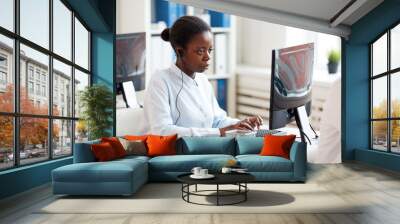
(96, 102)
(334, 56)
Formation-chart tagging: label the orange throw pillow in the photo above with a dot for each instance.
(136, 137)
(161, 145)
(277, 145)
(116, 145)
(103, 152)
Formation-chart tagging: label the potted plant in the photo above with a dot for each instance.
(333, 61)
(96, 102)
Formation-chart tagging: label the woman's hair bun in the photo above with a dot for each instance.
(165, 34)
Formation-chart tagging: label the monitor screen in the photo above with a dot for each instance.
(293, 70)
(291, 80)
(292, 76)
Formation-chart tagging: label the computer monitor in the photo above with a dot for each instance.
(291, 79)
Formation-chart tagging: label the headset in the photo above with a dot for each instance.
(179, 54)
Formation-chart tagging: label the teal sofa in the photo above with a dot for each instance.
(125, 176)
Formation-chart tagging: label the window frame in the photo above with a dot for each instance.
(16, 114)
(388, 74)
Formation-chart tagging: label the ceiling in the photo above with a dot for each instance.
(326, 16)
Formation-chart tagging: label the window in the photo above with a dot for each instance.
(43, 77)
(7, 14)
(3, 78)
(30, 87)
(37, 75)
(54, 126)
(385, 94)
(3, 72)
(6, 73)
(34, 22)
(3, 61)
(81, 81)
(81, 45)
(30, 72)
(44, 91)
(33, 149)
(62, 74)
(62, 140)
(62, 31)
(6, 142)
(38, 89)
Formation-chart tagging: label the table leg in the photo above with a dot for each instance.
(217, 194)
(196, 188)
(245, 193)
(188, 190)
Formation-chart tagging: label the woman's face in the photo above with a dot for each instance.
(198, 52)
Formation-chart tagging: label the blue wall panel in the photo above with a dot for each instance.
(24, 178)
(103, 64)
(377, 158)
(355, 84)
(357, 100)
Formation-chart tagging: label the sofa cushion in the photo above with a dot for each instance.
(132, 159)
(185, 163)
(111, 171)
(206, 145)
(83, 152)
(249, 145)
(257, 163)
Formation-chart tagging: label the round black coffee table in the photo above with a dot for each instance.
(238, 179)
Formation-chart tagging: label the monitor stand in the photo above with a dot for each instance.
(303, 123)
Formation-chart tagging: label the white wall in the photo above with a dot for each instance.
(131, 16)
(323, 43)
(255, 41)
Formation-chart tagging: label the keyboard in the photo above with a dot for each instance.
(262, 132)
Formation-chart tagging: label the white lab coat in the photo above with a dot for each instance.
(200, 114)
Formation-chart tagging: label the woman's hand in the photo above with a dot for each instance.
(255, 121)
(247, 124)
